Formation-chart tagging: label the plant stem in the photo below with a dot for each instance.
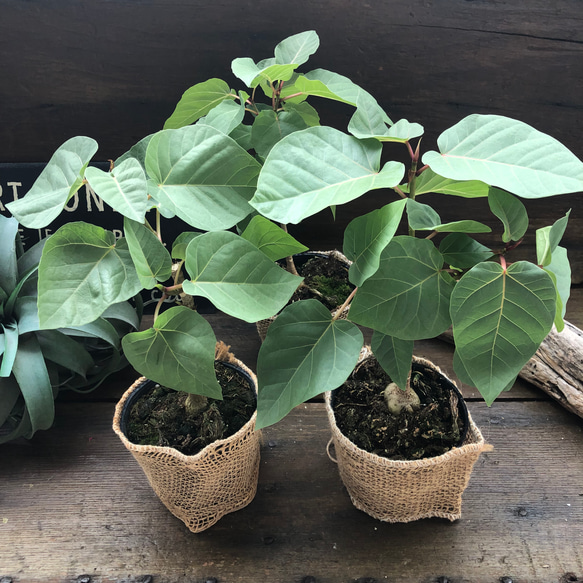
(289, 260)
(345, 304)
(399, 192)
(159, 305)
(158, 226)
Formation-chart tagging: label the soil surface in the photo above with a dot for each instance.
(325, 279)
(362, 414)
(159, 417)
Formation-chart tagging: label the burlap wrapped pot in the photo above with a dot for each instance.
(263, 325)
(200, 489)
(404, 491)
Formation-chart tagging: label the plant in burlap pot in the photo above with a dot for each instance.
(438, 275)
(325, 278)
(35, 364)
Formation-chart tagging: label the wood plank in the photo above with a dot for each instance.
(73, 502)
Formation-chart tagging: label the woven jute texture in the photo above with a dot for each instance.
(403, 491)
(263, 325)
(201, 488)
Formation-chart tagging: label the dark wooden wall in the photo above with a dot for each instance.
(114, 69)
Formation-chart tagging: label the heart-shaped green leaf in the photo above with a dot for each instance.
(511, 212)
(408, 297)
(463, 252)
(429, 181)
(394, 355)
(253, 74)
(297, 48)
(236, 277)
(306, 111)
(205, 174)
(181, 243)
(83, 270)
(151, 259)
(423, 218)
(137, 151)
(500, 317)
(225, 117)
(197, 102)
(506, 153)
(318, 167)
(271, 239)
(124, 188)
(177, 352)
(305, 353)
(270, 127)
(57, 183)
(366, 236)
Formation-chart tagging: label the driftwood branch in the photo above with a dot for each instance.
(556, 367)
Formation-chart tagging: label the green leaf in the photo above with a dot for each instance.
(366, 236)
(341, 88)
(177, 352)
(270, 127)
(548, 238)
(318, 167)
(10, 348)
(236, 277)
(368, 122)
(394, 355)
(9, 394)
(429, 181)
(64, 351)
(57, 183)
(511, 212)
(31, 374)
(560, 271)
(99, 328)
(205, 174)
(297, 48)
(506, 153)
(463, 252)
(181, 243)
(225, 117)
(26, 314)
(423, 218)
(242, 135)
(271, 239)
(83, 270)
(252, 75)
(137, 152)
(8, 259)
(124, 312)
(304, 354)
(500, 317)
(197, 101)
(124, 188)
(151, 259)
(408, 297)
(306, 111)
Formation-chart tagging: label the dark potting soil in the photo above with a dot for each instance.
(159, 417)
(362, 414)
(325, 279)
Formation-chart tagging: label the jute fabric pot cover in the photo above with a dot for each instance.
(263, 325)
(200, 489)
(403, 491)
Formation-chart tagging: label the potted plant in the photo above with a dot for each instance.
(413, 286)
(36, 364)
(220, 172)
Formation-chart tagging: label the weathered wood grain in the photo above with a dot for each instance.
(74, 502)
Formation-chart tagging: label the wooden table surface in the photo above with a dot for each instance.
(75, 506)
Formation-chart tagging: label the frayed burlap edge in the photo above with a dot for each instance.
(404, 491)
(263, 325)
(202, 488)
